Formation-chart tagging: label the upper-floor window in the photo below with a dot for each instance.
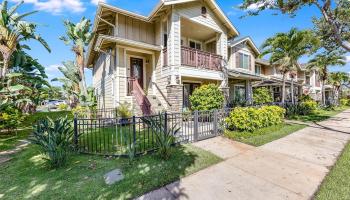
(257, 69)
(307, 79)
(165, 33)
(195, 45)
(244, 61)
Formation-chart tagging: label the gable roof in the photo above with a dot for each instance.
(248, 40)
(162, 3)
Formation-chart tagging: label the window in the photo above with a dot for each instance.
(257, 69)
(307, 79)
(244, 61)
(195, 45)
(165, 33)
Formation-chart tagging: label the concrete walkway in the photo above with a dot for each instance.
(292, 167)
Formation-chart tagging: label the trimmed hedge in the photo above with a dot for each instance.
(207, 97)
(251, 118)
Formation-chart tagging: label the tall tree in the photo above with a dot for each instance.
(337, 79)
(320, 63)
(79, 36)
(333, 26)
(287, 48)
(70, 81)
(14, 30)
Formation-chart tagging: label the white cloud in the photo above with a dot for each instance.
(259, 4)
(57, 6)
(52, 71)
(96, 1)
(347, 59)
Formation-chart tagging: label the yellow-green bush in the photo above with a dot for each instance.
(344, 102)
(80, 111)
(62, 107)
(207, 97)
(309, 106)
(251, 118)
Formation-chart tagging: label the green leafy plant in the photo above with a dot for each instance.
(10, 118)
(54, 139)
(62, 106)
(124, 111)
(261, 96)
(207, 97)
(80, 111)
(344, 102)
(165, 136)
(252, 118)
(303, 108)
(305, 97)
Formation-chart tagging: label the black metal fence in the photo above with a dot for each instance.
(119, 137)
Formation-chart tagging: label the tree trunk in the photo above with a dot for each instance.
(5, 67)
(283, 88)
(292, 90)
(323, 93)
(80, 63)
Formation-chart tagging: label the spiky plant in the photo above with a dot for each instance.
(165, 136)
(54, 139)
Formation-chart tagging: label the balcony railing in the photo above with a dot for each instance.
(196, 58)
(200, 59)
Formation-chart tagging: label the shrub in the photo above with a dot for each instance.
(303, 108)
(165, 136)
(207, 97)
(344, 102)
(10, 118)
(54, 139)
(62, 107)
(309, 106)
(123, 111)
(251, 118)
(80, 111)
(305, 97)
(262, 95)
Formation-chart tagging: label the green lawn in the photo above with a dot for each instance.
(337, 183)
(320, 115)
(116, 139)
(264, 135)
(27, 176)
(10, 140)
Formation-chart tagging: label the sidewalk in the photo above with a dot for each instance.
(289, 168)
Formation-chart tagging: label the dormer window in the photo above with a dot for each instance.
(204, 11)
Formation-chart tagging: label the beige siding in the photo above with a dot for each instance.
(245, 50)
(193, 11)
(134, 29)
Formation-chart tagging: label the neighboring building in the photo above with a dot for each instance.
(155, 62)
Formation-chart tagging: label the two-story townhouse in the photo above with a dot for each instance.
(155, 62)
(274, 81)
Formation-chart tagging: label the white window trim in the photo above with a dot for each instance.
(244, 54)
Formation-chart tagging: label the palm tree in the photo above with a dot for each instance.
(337, 79)
(287, 48)
(320, 63)
(14, 30)
(70, 81)
(79, 36)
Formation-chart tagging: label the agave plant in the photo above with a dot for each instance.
(165, 136)
(54, 139)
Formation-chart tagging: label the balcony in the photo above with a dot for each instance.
(198, 59)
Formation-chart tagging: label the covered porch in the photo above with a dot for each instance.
(199, 46)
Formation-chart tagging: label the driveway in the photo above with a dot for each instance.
(292, 167)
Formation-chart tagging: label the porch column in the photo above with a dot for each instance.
(249, 92)
(174, 46)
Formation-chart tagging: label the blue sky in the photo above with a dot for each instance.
(53, 12)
